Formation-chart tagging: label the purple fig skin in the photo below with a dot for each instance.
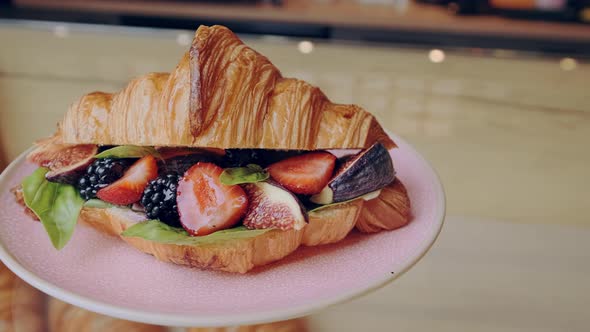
(67, 176)
(367, 171)
(73, 170)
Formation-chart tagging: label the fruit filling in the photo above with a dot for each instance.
(206, 205)
(129, 188)
(207, 190)
(100, 174)
(159, 199)
(305, 174)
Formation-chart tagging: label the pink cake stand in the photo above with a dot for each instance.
(105, 275)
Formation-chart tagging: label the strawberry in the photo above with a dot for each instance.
(304, 174)
(205, 205)
(128, 189)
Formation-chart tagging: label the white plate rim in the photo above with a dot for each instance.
(169, 319)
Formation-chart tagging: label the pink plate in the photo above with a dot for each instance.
(103, 274)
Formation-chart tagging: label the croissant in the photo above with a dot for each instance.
(222, 94)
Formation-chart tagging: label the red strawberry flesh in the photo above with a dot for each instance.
(129, 188)
(205, 205)
(305, 174)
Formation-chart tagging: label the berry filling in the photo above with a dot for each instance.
(100, 174)
(159, 199)
(204, 191)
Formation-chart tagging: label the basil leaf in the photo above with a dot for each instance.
(57, 205)
(249, 174)
(98, 203)
(129, 151)
(367, 197)
(157, 231)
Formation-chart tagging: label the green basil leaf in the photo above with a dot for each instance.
(98, 203)
(157, 231)
(129, 151)
(238, 175)
(57, 205)
(366, 197)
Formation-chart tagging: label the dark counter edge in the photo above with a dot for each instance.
(570, 47)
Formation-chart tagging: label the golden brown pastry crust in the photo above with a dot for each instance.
(332, 224)
(222, 94)
(328, 225)
(390, 210)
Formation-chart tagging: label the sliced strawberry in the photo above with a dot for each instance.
(205, 205)
(304, 174)
(128, 189)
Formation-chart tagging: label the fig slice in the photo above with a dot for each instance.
(272, 206)
(66, 162)
(367, 171)
(69, 163)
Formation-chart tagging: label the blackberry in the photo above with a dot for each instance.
(100, 174)
(159, 199)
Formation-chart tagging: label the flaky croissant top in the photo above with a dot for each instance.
(222, 94)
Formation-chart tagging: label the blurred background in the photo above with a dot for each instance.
(495, 94)
(539, 25)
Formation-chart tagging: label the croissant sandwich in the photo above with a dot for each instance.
(222, 164)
